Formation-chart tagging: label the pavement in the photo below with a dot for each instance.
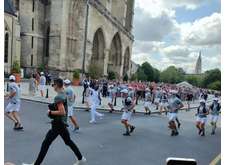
(104, 144)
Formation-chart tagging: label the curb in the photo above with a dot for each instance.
(105, 109)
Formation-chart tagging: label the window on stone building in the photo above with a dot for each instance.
(31, 60)
(32, 42)
(17, 5)
(47, 42)
(32, 24)
(33, 6)
(6, 47)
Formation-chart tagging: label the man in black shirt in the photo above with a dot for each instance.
(59, 126)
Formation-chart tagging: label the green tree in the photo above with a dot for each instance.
(171, 75)
(133, 77)
(111, 75)
(141, 75)
(156, 75)
(125, 77)
(194, 80)
(215, 85)
(148, 70)
(95, 71)
(211, 76)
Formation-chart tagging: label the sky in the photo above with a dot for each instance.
(172, 32)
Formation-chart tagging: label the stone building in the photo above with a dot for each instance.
(12, 36)
(64, 35)
(198, 66)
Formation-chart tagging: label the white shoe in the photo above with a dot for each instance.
(101, 116)
(27, 164)
(92, 121)
(82, 161)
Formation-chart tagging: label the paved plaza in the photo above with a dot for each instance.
(104, 144)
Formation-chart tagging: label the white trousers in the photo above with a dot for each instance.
(94, 113)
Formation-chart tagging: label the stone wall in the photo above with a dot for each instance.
(12, 28)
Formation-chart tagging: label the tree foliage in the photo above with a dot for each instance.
(171, 75)
(111, 75)
(211, 76)
(95, 71)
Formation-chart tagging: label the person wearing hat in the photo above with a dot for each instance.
(128, 105)
(42, 84)
(147, 104)
(202, 113)
(215, 111)
(13, 107)
(174, 104)
(59, 126)
(70, 102)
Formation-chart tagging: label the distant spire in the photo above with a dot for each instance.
(198, 66)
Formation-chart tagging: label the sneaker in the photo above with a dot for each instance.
(110, 111)
(82, 161)
(132, 129)
(101, 117)
(76, 129)
(19, 127)
(176, 133)
(16, 125)
(92, 121)
(200, 131)
(126, 134)
(172, 133)
(213, 133)
(203, 134)
(178, 125)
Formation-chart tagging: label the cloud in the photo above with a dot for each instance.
(205, 31)
(157, 7)
(162, 41)
(188, 4)
(149, 28)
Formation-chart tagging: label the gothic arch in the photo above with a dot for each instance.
(98, 48)
(115, 54)
(126, 61)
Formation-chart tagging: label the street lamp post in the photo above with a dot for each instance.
(85, 36)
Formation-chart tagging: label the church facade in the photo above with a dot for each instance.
(64, 35)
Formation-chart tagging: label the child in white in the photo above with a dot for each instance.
(94, 100)
(148, 100)
(127, 112)
(215, 111)
(202, 113)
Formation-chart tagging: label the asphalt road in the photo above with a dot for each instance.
(103, 143)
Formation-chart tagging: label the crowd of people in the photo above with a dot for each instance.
(166, 98)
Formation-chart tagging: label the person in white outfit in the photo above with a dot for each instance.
(94, 100)
(202, 112)
(70, 102)
(148, 98)
(42, 84)
(215, 111)
(13, 107)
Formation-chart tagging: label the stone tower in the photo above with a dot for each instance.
(64, 35)
(198, 66)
